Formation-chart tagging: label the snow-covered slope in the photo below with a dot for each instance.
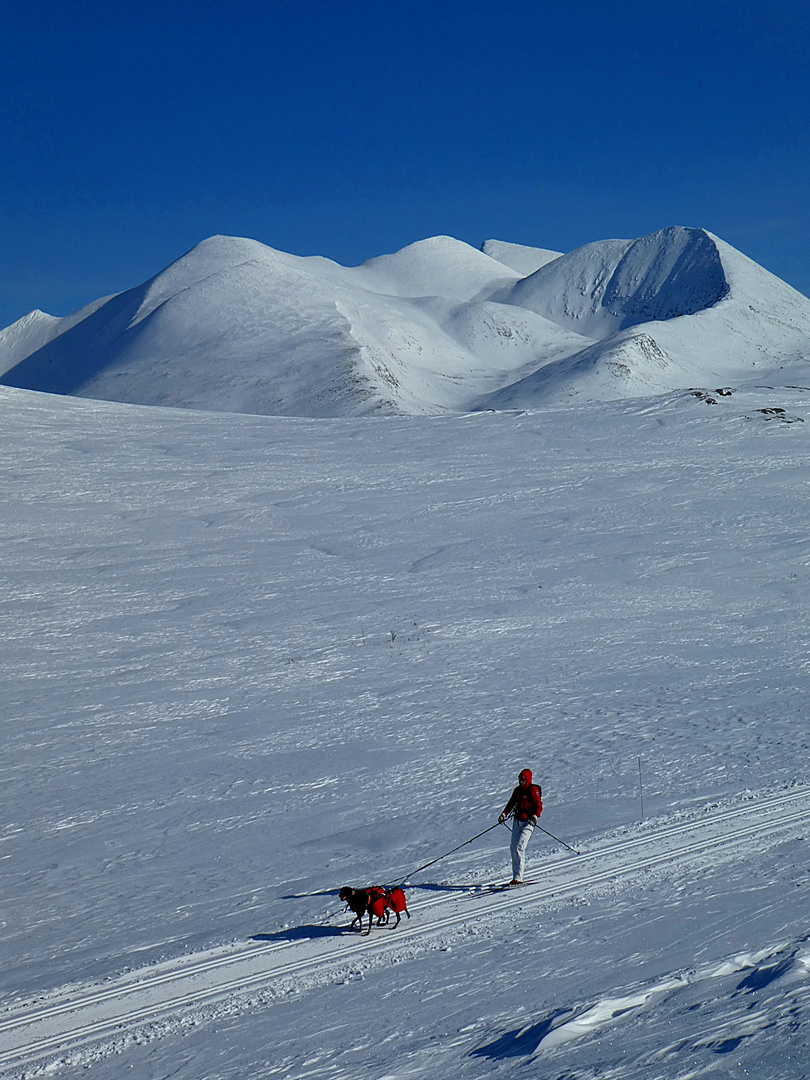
(249, 660)
(439, 326)
(439, 266)
(25, 336)
(608, 286)
(237, 326)
(678, 308)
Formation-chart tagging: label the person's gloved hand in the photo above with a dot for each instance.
(533, 819)
(502, 819)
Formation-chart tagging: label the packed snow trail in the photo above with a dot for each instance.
(31, 1032)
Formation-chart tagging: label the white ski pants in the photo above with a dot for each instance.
(521, 834)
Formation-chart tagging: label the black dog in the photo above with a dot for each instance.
(357, 900)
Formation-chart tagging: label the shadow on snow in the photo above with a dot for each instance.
(523, 1041)
(302, 933)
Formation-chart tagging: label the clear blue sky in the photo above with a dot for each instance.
(128, 133)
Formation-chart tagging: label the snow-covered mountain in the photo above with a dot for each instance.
(437, 327)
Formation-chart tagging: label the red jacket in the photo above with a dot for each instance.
(526, 800)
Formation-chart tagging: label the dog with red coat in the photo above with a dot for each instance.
(376, 902)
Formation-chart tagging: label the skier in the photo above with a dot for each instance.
(526, 804)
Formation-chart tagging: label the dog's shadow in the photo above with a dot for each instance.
(306, 933)
(424, 887)
(302, 933)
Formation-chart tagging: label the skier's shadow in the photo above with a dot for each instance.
(440, 888)
(301, 933)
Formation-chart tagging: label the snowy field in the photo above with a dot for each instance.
(248, 660)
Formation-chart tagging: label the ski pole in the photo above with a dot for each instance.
(427, 864)
(559, 841)
(553, 837)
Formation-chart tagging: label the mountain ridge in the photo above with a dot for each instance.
(437, 327)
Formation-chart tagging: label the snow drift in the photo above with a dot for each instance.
(437, 327)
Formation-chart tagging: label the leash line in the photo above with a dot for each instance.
(458, 848)
(477, 836)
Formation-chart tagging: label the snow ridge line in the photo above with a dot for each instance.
(97, 1029)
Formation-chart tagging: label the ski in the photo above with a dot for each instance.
(500, 886)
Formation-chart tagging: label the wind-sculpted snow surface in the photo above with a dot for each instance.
(434, 328)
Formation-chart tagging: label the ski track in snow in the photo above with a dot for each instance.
(37, 1031)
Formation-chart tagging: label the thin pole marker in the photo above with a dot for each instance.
(641, 789)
